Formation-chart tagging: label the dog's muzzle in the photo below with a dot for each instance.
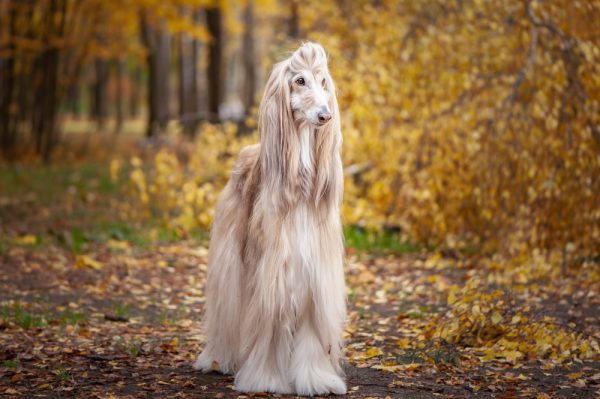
(324, 116)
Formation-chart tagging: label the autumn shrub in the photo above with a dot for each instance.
(473, 124)
(469, 125)
(179, 185)
(494, 324)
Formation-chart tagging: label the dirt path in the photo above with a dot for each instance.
(123, 323)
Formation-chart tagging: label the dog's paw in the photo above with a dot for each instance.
(316, 382)
(203, 363)
(256, 381)
(207, 363)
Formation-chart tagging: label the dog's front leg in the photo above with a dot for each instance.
(312, 372)
(263, 371)
(266, 330)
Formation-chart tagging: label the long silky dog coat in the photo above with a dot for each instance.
(275, 294)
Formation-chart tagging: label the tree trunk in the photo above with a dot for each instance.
(135, 84)
(199, 78)
(188, 91)
(214, 22)
(100, 92)
(294, 24)
(47, 96)
(7, 80)
(119, 111)
(157, 42)
(249, 59)
(74, 100)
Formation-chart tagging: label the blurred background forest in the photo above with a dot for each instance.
(469, 126)
(472, 182)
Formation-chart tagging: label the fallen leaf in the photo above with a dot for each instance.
(28, 239)
(373, 352)
(85, 261)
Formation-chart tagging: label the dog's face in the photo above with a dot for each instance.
(310, 98)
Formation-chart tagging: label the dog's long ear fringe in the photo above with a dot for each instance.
(279, 138)
(329, 180)
(276, 125)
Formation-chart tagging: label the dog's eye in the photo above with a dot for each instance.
(300, 81)
(323, 83)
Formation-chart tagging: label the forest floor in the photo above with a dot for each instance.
(93, 307)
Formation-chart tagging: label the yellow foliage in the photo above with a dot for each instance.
(486, 320)
(466, 126)
(479, 131)
(182, 194)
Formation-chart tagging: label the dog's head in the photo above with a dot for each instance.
(299, 108)
(310, 84)
(302, 88)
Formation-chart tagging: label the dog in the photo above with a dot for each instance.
(275, 295)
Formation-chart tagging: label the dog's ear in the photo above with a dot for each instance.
(276, 124)
(330, 178)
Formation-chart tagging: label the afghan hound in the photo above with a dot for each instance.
(275, 295)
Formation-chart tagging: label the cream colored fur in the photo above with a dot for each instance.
(275, 294)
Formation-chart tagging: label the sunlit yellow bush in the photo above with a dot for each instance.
(488, 322)
(475, 123)
(180, 184)
(470, 125)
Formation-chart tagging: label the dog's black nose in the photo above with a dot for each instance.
(324, 116)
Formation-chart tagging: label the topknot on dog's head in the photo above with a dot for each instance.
(309, 55)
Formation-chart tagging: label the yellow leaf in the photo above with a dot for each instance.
(412, 366)
(574, 376)
(398, 367)
(117, 244)
(511, 356)
(28, 239)
(373, 352)
(452, 295)
(83, 261)
(496, 317)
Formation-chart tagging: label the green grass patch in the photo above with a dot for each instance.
(37, 315)
(71, 317)
(78, 240)
(21, 316)
(432, 353)
(9, 364)
(63, 375)
(48, 182)
(122, 310)
(142, 236)
(384, 242)
(170, 317)
(132, 348)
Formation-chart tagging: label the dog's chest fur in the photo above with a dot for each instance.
(306, 161)
(303, 238)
